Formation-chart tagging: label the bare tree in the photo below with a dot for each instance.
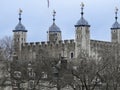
(86, 72)
(111, 72)
(6, 48)
(62, 75)
(109, 67)
(38, 70)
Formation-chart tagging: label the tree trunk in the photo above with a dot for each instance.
(18, 86)
(82, 87)
(115, 86)
(107, 86)
(58, 85)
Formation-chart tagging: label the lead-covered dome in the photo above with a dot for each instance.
(82, 21)
(20, 26)
(116, 25)
(54, 28)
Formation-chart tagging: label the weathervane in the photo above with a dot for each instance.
(82, 5)
(54, 12)
(20, 12)
(116, 11)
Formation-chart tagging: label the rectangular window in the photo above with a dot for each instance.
(71, 55)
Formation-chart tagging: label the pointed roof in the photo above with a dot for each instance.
(20, 26)
(82, 21)
(116, 25)
(54, 27)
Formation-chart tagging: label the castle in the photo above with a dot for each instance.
(70, 49)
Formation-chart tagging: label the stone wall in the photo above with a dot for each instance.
(30, 51)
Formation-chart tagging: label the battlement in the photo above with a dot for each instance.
(69, 41)
(66, 41)
(48, 43)
(32, 43)
(96, 43)
(72, 41)
(37, 43)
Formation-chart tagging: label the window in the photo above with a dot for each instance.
(71, 55)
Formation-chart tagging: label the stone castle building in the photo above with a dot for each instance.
(56, 47)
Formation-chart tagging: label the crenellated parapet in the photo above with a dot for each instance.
(32, 50)
(100, 47)
(50, 44)
(98, 44)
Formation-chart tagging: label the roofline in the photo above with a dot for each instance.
(20, 30)
(54, 31)
(82, 25)
(114, 28)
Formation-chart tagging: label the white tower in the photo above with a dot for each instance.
(115, 30)
(82, 35)
(19, 35)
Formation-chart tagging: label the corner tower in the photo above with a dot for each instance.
(19, 35)
(115, 30)
(54, 32)
(82, 34)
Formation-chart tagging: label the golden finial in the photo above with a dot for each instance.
(54, 12)
(20, 11)
(116, 9)
(82, 4)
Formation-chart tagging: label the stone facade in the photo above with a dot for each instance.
(57, 47)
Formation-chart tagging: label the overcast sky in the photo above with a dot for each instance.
(37, 17)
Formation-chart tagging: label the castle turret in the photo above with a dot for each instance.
(19, 35)
(54, 32)
(115, 30)
(82, 34)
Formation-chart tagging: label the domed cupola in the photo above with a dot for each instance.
(54, 27)
(54, 32)
(82, 21)
(116, 25)
(20, 26)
